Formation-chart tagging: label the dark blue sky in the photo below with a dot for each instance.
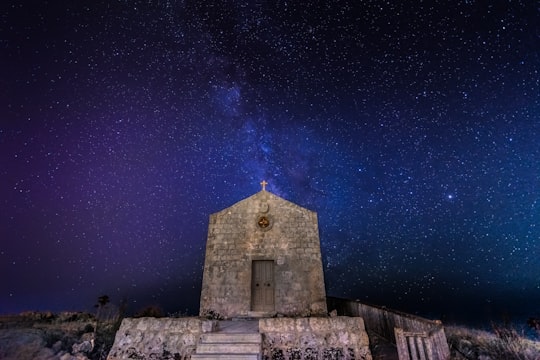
(412, 128)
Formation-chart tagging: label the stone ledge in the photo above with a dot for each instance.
(151, 338)
(339, 335)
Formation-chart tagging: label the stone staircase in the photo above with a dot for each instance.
(228, 346)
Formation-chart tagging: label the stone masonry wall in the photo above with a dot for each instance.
(235, 240)
(165, 338)
(315, 338)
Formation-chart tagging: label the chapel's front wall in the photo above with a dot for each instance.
(235, 240)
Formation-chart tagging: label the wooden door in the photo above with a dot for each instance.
(262, 285)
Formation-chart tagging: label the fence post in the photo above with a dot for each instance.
(401, 344)
(421, 342)
(429, 348)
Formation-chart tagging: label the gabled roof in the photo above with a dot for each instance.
(264, 195)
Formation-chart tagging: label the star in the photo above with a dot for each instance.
(411, 131)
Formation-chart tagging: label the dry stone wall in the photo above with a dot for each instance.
(165, 338)
(315, 338)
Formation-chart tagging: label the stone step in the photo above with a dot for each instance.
(225, 357)
(223, 338)
(228, 348)
(261, 314)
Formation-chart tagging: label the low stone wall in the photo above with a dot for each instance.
(315, 338)
(165, 338)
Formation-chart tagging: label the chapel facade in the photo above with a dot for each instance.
(263, 258)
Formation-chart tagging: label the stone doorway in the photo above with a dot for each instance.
(262, 285)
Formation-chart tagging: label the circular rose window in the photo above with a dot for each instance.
(263, 222)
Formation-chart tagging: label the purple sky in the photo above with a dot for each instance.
(411, 128)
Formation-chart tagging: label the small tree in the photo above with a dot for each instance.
(108, 319)
(102, 302)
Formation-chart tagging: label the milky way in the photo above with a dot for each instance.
(411, 128)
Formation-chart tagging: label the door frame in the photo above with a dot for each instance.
(273, 285)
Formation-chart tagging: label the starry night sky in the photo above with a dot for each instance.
(412, 128)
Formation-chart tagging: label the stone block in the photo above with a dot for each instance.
(308, 335)
(150, 337)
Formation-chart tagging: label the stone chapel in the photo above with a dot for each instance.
(263, 261)
(263, 258)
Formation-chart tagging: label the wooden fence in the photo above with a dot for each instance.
(416, 338)
(422, 346)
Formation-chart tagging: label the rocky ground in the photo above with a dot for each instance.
(81, 336)
(72, 335)
(64, 336)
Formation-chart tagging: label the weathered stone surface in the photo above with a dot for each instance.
(326, 338)
(263, 227)
(322, 336)
(151, 338)
(83, 348)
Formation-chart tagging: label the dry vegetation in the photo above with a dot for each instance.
(503, 343)
(67, 335)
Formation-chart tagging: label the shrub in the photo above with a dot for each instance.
(503, 342)
(150, 311)
(213, 315)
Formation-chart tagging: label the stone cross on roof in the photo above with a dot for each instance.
(263, 184)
